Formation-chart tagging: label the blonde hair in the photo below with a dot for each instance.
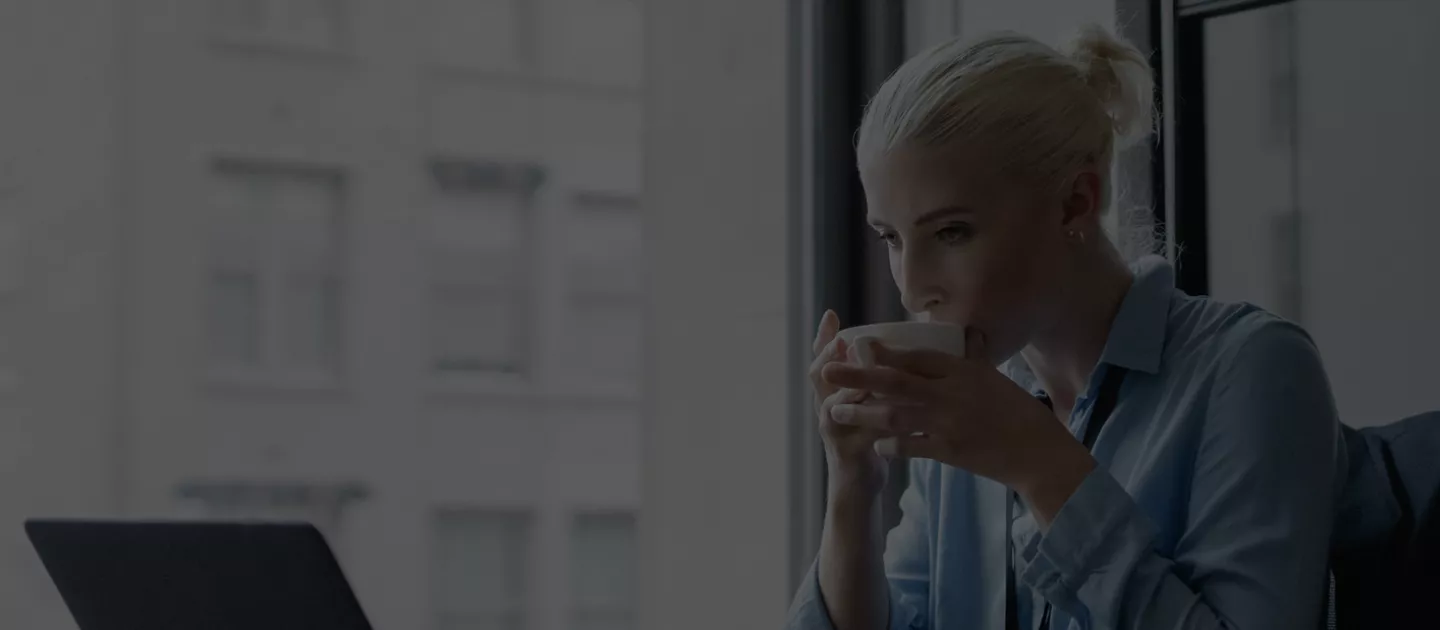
(1040, 114)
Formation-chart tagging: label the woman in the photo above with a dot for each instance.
(1208, 497)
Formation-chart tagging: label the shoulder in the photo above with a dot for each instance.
(1221, 338)
(1256, 365)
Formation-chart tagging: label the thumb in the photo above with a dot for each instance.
(908, 447)
(976, 344)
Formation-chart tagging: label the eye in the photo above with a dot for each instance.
(954, 234)
(890, 239)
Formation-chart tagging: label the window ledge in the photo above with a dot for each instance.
(298, 381)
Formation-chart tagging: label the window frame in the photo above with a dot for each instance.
(530, 528)
(526, 180)
(574, 606)
(602, 202)
(273, 276)
(839, 56)
(266, 37)
(581, 296)
(1179, 27)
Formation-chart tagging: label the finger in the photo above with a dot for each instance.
(844, 396)
(840, 397)
(908, 446)
(919, 361)
(880, 380)
(829, 325)
(976, 344)
(885, 417)
(835, 351)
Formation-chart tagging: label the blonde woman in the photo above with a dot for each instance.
(1205, 498)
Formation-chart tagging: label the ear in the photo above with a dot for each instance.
(1081, 203)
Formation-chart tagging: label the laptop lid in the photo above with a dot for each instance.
(184, 575)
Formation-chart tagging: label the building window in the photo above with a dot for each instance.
(480, 568)
(275, 280)
(310, 23)
(603, 564)
(606, 300)
(494, 35)
(481, 240)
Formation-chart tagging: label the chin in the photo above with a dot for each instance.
(1001, 346)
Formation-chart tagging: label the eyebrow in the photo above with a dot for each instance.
(932, 216)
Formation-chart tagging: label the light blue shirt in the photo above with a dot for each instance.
(1211, 507)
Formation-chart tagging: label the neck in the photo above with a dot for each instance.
(1063, 355)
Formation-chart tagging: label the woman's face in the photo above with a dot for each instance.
(969, 249)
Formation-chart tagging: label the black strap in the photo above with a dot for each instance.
(1105, 401)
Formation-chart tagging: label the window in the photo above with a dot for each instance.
(1272, 129)
(605, 244)
(603, 560)
(311, 23)
(480, 239)
(275, 279)
(480, 570)
(606, 258)
(481, 34)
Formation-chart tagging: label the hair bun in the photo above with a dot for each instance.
(1121, 78)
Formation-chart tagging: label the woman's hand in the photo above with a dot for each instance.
(849, 450)
(963, 412)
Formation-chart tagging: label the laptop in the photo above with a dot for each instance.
(187, 575)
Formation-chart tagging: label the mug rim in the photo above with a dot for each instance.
(889, 325)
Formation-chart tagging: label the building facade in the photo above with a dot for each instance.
(371, 264)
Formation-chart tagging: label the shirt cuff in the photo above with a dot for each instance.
(808, 611)
(1098, 529)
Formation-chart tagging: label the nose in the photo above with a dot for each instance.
(920, 288)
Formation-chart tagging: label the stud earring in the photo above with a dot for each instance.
(1076, 235)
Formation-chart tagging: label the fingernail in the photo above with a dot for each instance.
(842, 413)
(887, 448)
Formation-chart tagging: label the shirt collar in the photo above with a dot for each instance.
(1137, 335)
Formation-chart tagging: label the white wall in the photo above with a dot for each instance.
(57, 422)
(1249, 161)
(1367, 171)
(712, 526)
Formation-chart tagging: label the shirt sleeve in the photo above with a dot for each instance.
(907, 569)
(1254, 551)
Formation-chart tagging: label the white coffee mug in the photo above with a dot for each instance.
(946, 338)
